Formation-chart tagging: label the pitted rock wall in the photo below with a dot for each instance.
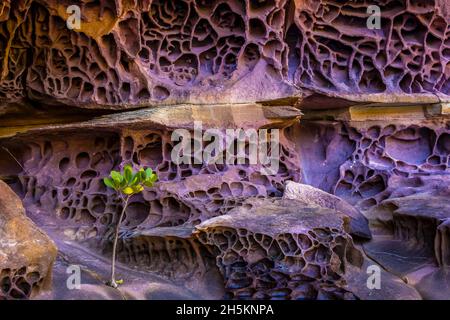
(128, 54)
(357, 161)
(212, 61)
(61, 173)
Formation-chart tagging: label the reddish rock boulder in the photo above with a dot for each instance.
(26, 253)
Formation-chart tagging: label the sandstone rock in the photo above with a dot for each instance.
(287, 249)
(78, 103)
(399, 257)
(215, 116)
(392, 287)
(343, 73)
(281, 249)
(151, 53)
(26, 253)
(436, 285)
(215, 194)
(312, 196)
(404, 213)
(419, 227)
(411, 236)
(140, 282)
(366, 162)
(60, 168)
(169, 251)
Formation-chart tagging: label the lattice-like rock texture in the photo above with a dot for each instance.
(286, 249)
(357, 161)
(26, 253)
(217, 58)
(265, 249)
(338, 53)
(63, 170)
(13, 50)
(279, 249)
(171, 251)
(152, 52)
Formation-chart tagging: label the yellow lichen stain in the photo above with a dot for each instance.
(386, 112)
(92, 24)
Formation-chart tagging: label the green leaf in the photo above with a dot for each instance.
(123, 184)
(117, 177)
(138, 188)
(148, 173)
(128, 173)
(134, 179)
(153, 178)
(128, 190)
(148, 184)
(109, 183)
(142, 175)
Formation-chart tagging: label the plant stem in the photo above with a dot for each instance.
(116, 237)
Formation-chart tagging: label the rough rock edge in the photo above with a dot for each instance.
(27, 254)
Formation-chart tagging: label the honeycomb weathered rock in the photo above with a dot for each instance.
(287, 249)
(232, 65)
(127, 54)
(60, 170)
(171, 251)
(358, 160)
(338, 53)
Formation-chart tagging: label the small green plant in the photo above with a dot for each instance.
(126, 184)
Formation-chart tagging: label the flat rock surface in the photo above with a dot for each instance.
(273, 217)
(313, 196)
(137, 284)
(398, 256)
(436, 285)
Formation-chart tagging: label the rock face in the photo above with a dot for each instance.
(281, 249)
(126, 53)
(26, 253)
(414, 225)
(172, 251)
(358, 225)
(353, 117)
(286, 249)
(359, 160)
(57, 169)
(64, 168)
